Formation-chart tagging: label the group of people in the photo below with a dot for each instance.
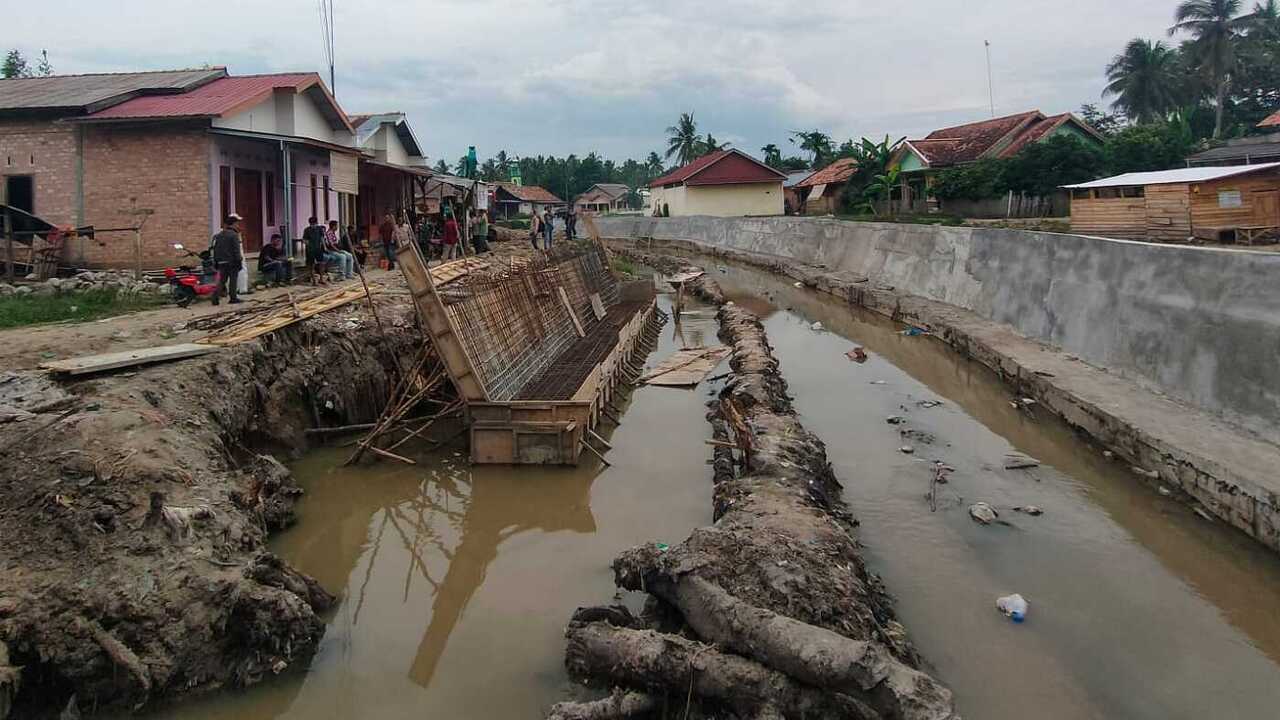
(438, 239)
(331, 249)
(543, 225)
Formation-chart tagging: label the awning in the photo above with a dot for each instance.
(421, 172)
(289, 139)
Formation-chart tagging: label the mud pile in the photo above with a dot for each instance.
(134, 511)
(770, 612)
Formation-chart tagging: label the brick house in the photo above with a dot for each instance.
(603, 198)
(511, 200)
(393, 170)
(190, 145)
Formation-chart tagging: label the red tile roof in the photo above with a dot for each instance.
(1272, 120)
(836, 172)
(219, 98)
(529, 193)
(722, 167)
(998, 137)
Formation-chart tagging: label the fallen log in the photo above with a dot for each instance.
(618, 706)
(660, 662)
(813, 655)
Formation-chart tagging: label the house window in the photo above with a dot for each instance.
(313, 196)
(224, 191)
(20, 192)
(271, 199)
(1230, 199)
(1108, 193)
(326, 198)
(1133, 192)
(1081, 194)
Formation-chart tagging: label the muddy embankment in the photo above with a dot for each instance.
(134, 510)
(768, 613)
(1223, 471)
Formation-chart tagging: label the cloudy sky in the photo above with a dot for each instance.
(561, 76)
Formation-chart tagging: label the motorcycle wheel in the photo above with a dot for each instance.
(184, 295)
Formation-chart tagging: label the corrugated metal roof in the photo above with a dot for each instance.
(86, 93)
(529, 193)
(686, 174)
(218, 98)
(836, 172)
(1243, 149)
(1272, 120)
(1167, 177)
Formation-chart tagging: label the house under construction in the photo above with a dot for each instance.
(535, 347)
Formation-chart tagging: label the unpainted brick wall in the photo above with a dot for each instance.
(45, 150)
(162, 167)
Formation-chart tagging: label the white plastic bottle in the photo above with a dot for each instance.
(1014, 606)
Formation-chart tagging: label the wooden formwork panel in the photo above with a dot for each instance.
(443, 333)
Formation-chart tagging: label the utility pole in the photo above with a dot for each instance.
(991, 93)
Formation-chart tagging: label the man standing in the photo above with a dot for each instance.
(480, 234)
(387, 232)
(450, 236)
(228, 258)
(570, 224)
(548, 229)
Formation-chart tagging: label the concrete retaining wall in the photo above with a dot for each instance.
(1201, 325)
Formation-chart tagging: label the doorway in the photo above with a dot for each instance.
(1266, 208)
(20, 192)
(248, 191)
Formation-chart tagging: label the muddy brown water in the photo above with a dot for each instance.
(456, 582)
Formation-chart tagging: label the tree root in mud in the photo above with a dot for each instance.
(770, 612)
(618, 706)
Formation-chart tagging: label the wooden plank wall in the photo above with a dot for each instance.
(1204, 200)
(1168, 213)
(1113, 217)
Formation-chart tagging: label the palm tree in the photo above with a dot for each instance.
(653, 164)
(772, 155)
(1215, 27)
(683, 140)
(1265, 20)
(441, 167)
(1144, 80)
(709, 144)
(815, 142)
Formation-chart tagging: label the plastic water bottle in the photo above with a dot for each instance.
(1014, 606)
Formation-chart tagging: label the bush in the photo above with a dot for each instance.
(514, 224)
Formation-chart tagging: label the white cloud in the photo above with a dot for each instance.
(575, 75)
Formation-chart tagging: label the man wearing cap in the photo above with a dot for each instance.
(228, 258)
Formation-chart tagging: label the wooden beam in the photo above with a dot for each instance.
(128, 358)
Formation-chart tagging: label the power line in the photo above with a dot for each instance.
(991, 93)
(326, 39)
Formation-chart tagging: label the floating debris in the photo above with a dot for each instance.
(906, 449)
(1015, 461)
(895, 419)
(1032, 510)
(857, 355)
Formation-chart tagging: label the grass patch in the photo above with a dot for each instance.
(19, 310)
(948, 220)
(624, 266)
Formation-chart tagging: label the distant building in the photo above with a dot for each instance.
(725, 183)
(920, 160)
(511, 200)
(602, 198)
(1220, 204)
(190, 145)
(792, 196)
(822, 189)
(393, 169)
(1246, 150)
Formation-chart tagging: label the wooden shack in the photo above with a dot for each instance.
(1219, 204)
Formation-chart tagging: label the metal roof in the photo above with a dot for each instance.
(88, 93)
(1167, 177)
(1244, 150)
(366, 124)
(687, 173)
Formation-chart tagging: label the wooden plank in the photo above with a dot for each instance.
(431, 310)
(258, 325)
(686, 368)
(128, 358)
(564, 300)
(597, 306)
(684, 277)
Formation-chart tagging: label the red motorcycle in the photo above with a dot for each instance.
(188, 284)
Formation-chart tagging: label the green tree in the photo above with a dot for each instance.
(772, 155)
(1145, 81)
(794, 164)
(682, 139)
(43, 68)
(15, 66)
(1042, 167)
(709, 144)
(441, 167)
(1104, 122)
(1215, 27)
(975, 181)
(880, 189)
(816, 143)
(1142, 148)
(871, 159)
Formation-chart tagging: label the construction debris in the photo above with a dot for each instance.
(686, 368)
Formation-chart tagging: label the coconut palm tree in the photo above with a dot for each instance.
(815, 142)
(1215, 27)
(709, 144)
(653, 164)
(1144, 80)
(772, 155)
(1265, 20)
(683, 140)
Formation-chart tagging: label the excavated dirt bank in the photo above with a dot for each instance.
(134, 508)
(1228, 477)
(770, 612)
